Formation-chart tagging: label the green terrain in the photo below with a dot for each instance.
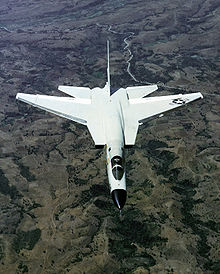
(56, 214)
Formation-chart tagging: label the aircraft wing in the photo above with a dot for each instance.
(71, 108)
(140, 110)
(76, 109)
(147, 107)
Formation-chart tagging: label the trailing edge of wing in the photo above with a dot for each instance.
(77, 92)
(74, 109)
(140, 91)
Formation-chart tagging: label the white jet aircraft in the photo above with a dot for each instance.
(112, 118)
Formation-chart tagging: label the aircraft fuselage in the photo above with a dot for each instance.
(113, 121)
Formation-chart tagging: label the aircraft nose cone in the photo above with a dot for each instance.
(119, 197)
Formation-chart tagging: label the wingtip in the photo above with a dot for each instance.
(17, 96)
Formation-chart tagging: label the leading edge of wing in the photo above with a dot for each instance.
(144, 108)
(71, 108)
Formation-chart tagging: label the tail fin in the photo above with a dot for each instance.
(108, 68)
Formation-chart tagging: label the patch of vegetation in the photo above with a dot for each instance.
(79, 181)
(24, 171)
(189, 61)
(146, 186)
(85, 196)
(6, 189)
(213, 266)
(155, 144)
(135, 231)
(74, 177)
(129, 231)
(77, 258)
(145, 260)
(124, 81)
(186, 188)
(212, 225)
(26, 240)
(98, 190)
(122, 248)
(187, 126)
(26, 208)
(98, 74)
(66, 126)
(22, 268)
(52, 192)
(1, 249)
(104, 205)
(129, 182)
(204, 133)
(129, 166)
(163, 217)
(165, 159)
(94, 191)
(162, 158)
(152, 76)
(33, 150)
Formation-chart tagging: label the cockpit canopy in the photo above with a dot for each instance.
(117, 167)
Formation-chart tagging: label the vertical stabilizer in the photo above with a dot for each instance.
(108, 68)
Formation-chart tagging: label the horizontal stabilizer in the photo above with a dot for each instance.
(140, 91)
(77, 92)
